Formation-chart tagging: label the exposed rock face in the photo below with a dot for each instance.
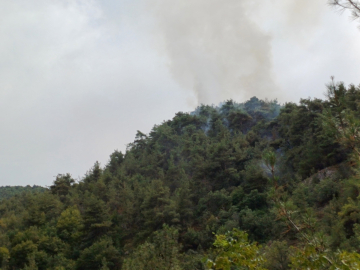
(329, 172)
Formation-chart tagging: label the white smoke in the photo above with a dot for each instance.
(223, 48)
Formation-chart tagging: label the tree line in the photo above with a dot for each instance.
(253, 185)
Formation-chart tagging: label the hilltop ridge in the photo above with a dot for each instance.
(237, 165)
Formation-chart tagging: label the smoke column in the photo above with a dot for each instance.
(222, 49)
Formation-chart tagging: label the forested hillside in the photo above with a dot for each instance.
(10, 191)
(251, 185)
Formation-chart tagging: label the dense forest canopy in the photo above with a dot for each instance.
(253, 185)
(8, 191)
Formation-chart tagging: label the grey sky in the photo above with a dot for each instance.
(78, 78)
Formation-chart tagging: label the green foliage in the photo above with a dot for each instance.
(234, 250)
(4, 256)
(21, 253)
(101, 254)
(308, 146)
(310, 257)
(269, 158)
(161, 253)
(277, 256)
(288, 176)
(70, 225)
(62, 185)
(96, 219)
(341, 120)
(10, 191)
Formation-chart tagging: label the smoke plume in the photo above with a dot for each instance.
(222, 48)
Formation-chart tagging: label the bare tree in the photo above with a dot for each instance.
(352, 5)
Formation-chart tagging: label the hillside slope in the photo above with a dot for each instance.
(239, 165)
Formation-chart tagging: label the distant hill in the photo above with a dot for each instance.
(7, 192)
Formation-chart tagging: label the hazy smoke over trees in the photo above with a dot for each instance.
(222, 49)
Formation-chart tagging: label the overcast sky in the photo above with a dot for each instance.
(80, 77)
